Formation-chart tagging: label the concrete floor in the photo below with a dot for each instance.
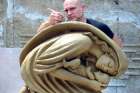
(10, 79)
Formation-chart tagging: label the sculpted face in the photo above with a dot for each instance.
(74, 10)
(106, 64)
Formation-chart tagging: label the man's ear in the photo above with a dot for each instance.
(84, 6)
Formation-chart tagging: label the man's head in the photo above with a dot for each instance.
(74, 10)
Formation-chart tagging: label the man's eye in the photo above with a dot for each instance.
(66, 10)
(72, 8)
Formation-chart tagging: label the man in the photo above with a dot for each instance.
(74, 10)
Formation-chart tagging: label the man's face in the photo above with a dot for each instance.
(74, 10)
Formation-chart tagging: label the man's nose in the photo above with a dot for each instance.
(69, 12)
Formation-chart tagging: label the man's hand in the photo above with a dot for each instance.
(55, 17)
(118, 41)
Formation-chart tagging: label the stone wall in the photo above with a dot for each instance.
(19, 20)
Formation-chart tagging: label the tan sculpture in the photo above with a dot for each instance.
(70, 57)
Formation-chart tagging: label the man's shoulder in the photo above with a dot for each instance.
(95, 22)
(103, 27)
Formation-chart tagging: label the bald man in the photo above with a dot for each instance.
(74, 10)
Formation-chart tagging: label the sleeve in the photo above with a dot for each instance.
(106, 30)
(103, 27)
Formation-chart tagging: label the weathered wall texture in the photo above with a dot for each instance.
(19, 20)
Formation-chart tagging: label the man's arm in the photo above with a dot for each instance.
(117, 40)
(43, 26)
